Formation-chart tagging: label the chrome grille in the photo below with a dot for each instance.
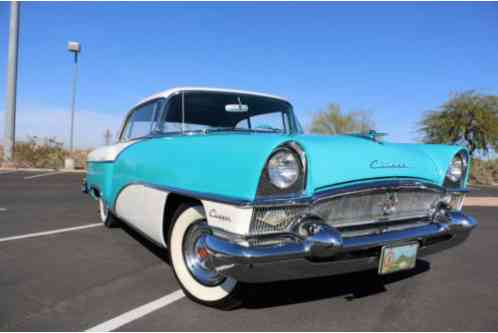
(371, 207)
(375, 228)
(351, 210)
(270, 220)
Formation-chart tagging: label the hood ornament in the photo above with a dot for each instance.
(390, 203)
(370, 135)
(376, 136)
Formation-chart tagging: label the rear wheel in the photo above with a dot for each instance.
(106, 215)
(189, 258)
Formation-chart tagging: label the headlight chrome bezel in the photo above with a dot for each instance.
(456, 173)
(267, 187)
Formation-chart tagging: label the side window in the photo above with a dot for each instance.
(141, 122)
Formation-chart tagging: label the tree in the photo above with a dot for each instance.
(334, 121)
(467, 118)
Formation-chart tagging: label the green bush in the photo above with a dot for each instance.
(39, 153)
(46, 153)
(484, 172)
(79, 157)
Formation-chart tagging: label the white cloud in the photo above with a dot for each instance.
(55, 122)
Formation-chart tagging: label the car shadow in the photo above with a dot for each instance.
(158, 251)
(351, 286)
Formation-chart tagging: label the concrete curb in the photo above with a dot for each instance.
(485, 186)
(43, 170)
(481, 201)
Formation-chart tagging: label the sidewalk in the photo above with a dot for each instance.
(42, 170)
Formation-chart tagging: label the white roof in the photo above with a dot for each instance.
(169, 92)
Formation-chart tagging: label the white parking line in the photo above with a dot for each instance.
(2, 209)
(50, 232)
(44, 174)
(137, 313)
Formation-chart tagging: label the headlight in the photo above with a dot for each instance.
(283, 169)
(457, 168)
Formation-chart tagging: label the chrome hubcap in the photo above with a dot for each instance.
(196, 255)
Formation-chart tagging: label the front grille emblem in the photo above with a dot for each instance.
(390, 203)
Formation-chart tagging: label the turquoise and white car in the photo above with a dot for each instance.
(229, 185)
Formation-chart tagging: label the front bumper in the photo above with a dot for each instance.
(327, 252)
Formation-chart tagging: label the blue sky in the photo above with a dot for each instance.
(393, 60)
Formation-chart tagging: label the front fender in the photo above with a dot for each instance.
(226, 165)
(442, 156)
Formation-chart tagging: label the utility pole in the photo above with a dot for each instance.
(10, 112)
(75, 48)
(107, 137)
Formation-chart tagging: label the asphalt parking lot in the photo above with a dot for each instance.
(77, 279)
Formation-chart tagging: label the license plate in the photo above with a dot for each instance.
(398, 258)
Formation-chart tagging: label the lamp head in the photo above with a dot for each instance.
(74, 47)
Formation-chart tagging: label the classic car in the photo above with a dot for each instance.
(228, 184)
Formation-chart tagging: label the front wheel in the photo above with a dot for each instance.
(189, 258)
(106, 216)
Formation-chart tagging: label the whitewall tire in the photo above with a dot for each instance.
(106, 215)
(188, 258)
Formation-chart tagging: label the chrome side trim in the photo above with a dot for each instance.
(100, 162)
(282, 200)
(302, 199)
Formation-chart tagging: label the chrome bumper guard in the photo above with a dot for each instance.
(326, 252)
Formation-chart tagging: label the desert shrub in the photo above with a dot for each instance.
(39, 153)
(45, 153)
(79, 157)
(484, 172)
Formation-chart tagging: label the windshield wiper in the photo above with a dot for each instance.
(265, 128)
(225, 129)
(232, 129)
(219, 129)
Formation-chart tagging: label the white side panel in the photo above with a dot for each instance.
(228, 217)
(143, 208)
(128, 203)
(107, 153)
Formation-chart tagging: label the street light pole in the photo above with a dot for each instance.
(10, 114)
(75, 48)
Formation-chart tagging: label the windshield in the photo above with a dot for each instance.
(216, 111)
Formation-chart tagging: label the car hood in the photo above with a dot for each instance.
(335, 160)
